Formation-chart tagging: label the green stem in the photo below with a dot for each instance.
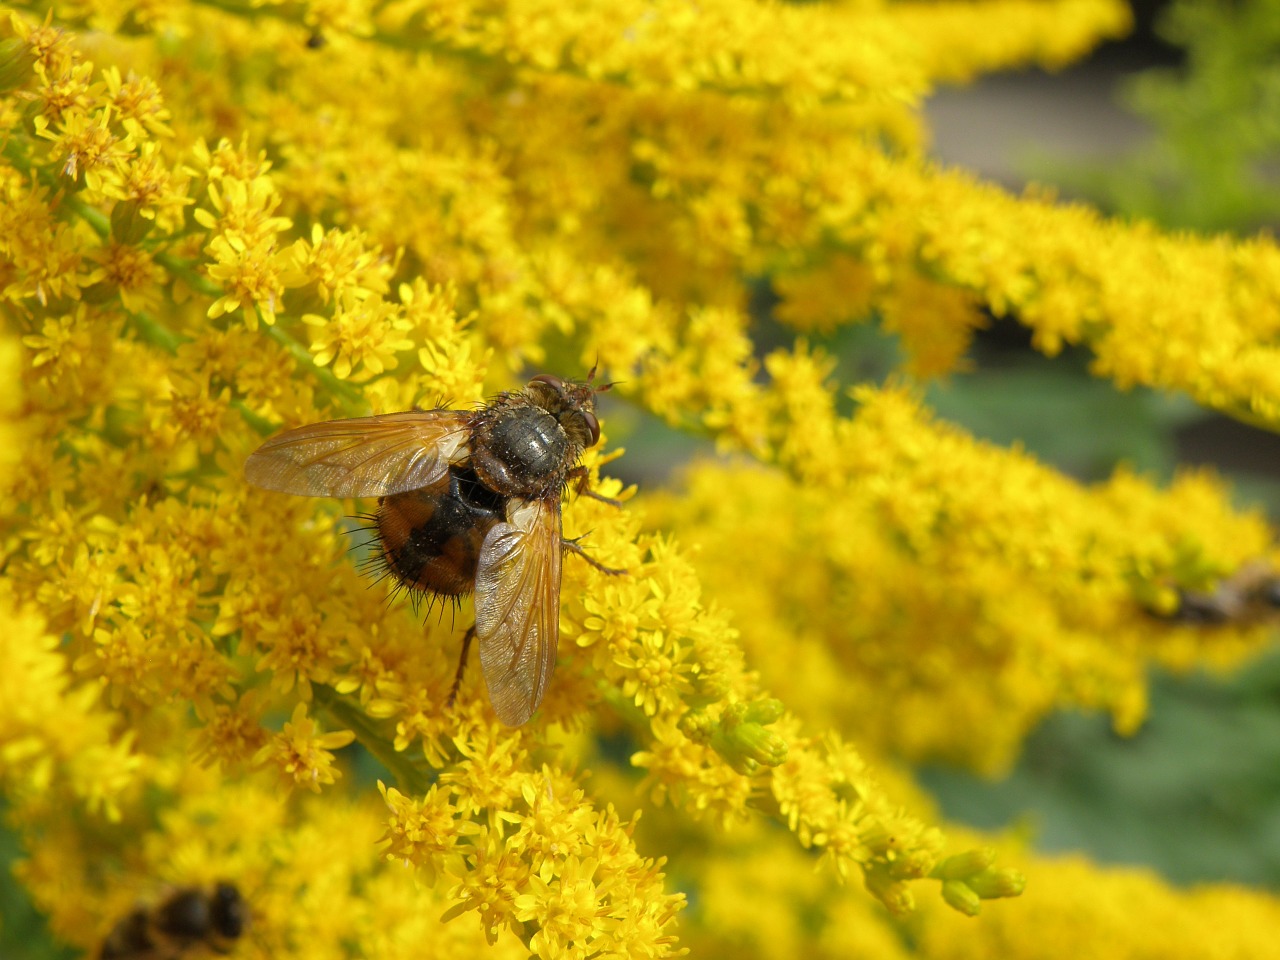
(187, 273)
(156, 333)
(260, 424)
(408, 775)
(624, 706)
(94, 217)
(346, 394)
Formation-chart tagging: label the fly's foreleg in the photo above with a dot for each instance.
(572, 546)
(579, 476)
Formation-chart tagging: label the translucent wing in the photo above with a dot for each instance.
(518, 607)
(362, 457)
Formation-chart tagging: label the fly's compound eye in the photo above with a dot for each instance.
(593, 426)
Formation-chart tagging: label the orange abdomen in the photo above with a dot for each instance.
(431, 538)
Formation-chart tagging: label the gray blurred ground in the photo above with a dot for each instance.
(988, 126)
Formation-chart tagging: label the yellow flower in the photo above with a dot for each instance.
(654, 671)
(56, 737)
(423, 832)
(131, 273)
(341, 266)
(487, 884)
(363, 333)
(300, 754)
(251, 275)
(566, 910)
(232, 734)
(421, 218)
(138, 102)
(43, 258)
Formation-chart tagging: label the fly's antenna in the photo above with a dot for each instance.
(591, 376)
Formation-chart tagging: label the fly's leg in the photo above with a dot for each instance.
(574, 547)
(578, 476)
(462, 664)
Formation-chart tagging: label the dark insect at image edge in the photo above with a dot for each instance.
(212, 917)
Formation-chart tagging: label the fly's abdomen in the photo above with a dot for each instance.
(431, 538)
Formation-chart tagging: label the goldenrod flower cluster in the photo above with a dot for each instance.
(220, 217)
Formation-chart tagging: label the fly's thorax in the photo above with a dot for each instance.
(520, 449)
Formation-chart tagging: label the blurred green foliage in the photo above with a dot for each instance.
(24, 935)
(1192, 794)
(1214, 160)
